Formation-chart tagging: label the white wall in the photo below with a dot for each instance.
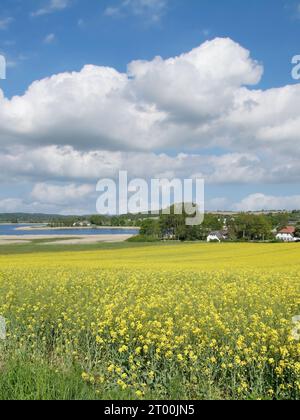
(286, 237)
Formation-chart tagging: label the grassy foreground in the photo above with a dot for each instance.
(190, 321)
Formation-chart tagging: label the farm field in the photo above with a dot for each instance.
(167, 321)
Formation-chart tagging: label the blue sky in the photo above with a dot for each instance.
(41, 38)
(85, 34)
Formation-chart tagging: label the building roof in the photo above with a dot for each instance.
(288, 230)
(219, 234)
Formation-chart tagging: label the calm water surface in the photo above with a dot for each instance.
(11, 230)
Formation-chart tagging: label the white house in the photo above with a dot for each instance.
(217, 236)
(287, 234)
(82, 224)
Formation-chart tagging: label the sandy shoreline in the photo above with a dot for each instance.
(66, 240)
(31, 228)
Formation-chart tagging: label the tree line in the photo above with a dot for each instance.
(237, 227)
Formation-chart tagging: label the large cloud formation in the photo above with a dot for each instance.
(172, 113)
(173, 102)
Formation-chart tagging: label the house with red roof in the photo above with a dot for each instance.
(286, 234)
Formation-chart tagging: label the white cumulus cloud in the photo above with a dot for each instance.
(76, 127)
(259, 201)
(60, 194)
(151, 9)
(49, 39)
(5, 22)
(185, 100)
(51, 6)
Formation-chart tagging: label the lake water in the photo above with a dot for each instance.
(11, 230)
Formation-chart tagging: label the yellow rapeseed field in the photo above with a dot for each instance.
(166, 321)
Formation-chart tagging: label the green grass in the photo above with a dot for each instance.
(24, 379)
(36, 246)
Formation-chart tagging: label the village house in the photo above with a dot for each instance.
(82, 224)
(286, 234)
(217, 236)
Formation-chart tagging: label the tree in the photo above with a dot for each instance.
(261, 228)
(210, 223)
(297, 232)
(250, 227)
(172, 225)
(97, 220)
(278, 220)
(150, 227)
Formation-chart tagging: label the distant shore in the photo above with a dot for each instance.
(31, 228)
(18, 224)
